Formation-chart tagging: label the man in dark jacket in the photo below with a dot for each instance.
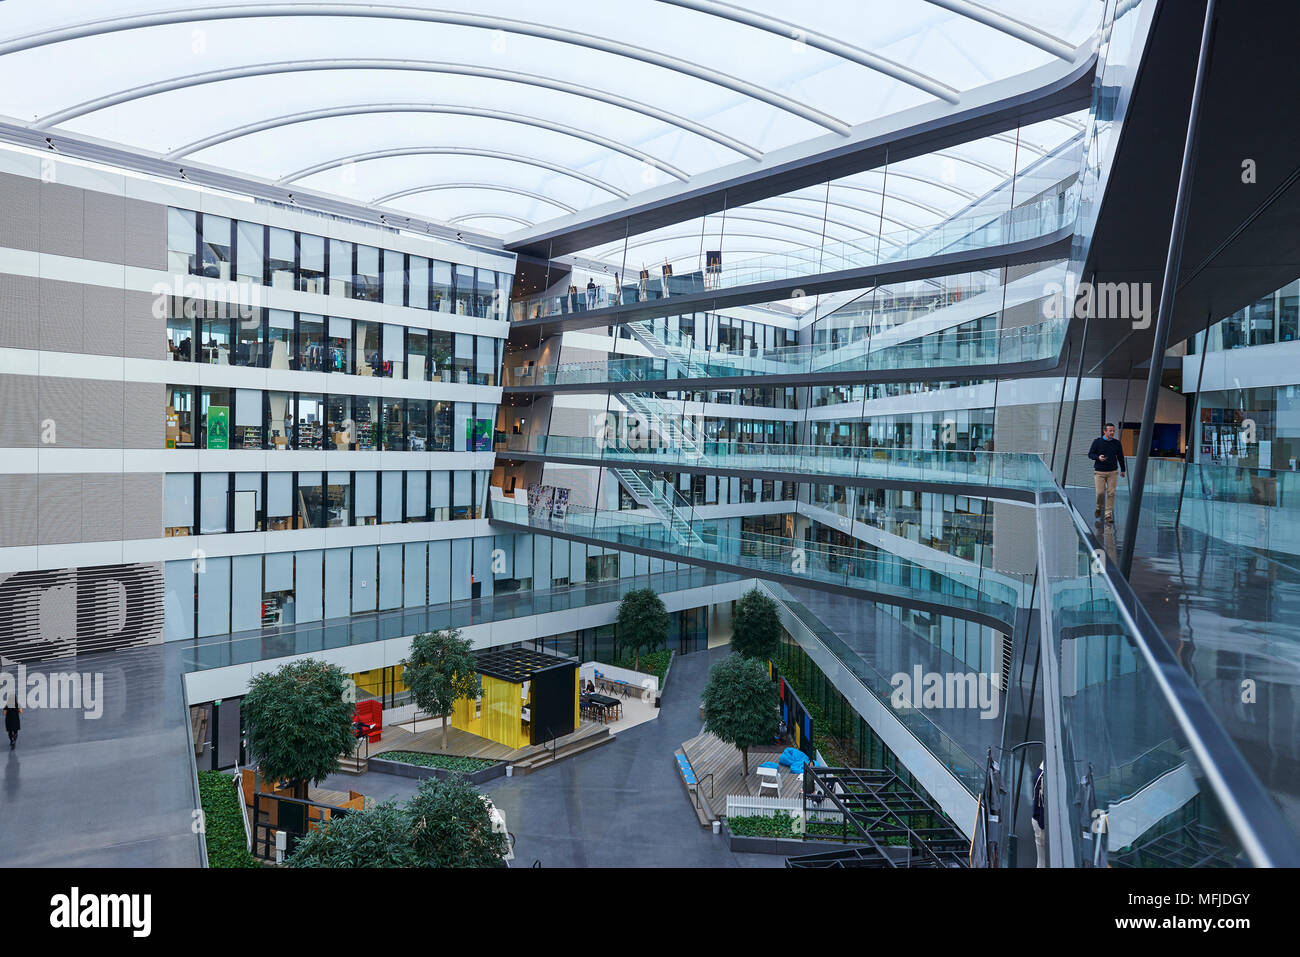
(1108, 465)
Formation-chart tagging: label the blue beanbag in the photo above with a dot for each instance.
(794, 759)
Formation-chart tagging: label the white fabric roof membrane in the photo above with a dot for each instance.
(504, 113)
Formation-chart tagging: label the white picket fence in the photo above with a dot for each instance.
(748, 805)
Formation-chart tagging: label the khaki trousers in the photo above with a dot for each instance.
(1106, 485)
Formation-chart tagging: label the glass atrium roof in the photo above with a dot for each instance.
(501, 114)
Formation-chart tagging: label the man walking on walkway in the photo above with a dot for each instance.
(1108, 465)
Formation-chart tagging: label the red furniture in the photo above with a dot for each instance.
(371, 712)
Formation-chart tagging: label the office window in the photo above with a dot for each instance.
(464, 290)
(179, 417)
(366, 423)
(394, 352)
(417, 353)
(394, 278)
(280, 338)
(180, 333)
(338, 500)
(370, 361)
(394, 425)
(178, 504)
(214, 597)
(338, 422)
(440, 427)
(214, 327)
(440, 496)
(504, 280)
(418, 282)
(311, 421)
(248, 502)
(280, 257)
(365, 281)
(249, 258)
(441, 345)
(311, 263)
(182, 241)
(416, 496)
(340, 283)
(417, 425)
(484, 293)
(339, 345)
(279, 500)
(310, 500)
(214, 498)
(440, 287)
(390, 498)
(280, 420)
(313, 354)
(247, 431)
(250, 345)
(366, 498)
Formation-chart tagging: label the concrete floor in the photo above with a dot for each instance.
(621, 805)
(112, 792)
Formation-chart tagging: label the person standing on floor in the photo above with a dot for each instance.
(13, 723)
(1108, 465)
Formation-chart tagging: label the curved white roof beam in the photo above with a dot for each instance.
(874, 214)
(886, 172)
(452, 151)
(508, 218)
(1010, 26)
(987, 167)
(414, 190)
(156, 18)
(442, 108)
(422, 66)
(934, 210)
(845, 51)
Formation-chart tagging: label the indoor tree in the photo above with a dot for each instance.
(755, 626)
(445, 824)
(642, 624)
(299, 722)
(440, 671)
(740, 703)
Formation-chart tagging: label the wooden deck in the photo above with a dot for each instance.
(427, 739)
(710, 755)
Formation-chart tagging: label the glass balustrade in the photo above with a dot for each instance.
(1043, 217)
(1001, 470)
(879, 573)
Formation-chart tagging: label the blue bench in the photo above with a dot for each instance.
(686, 770)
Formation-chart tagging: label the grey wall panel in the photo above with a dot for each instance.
(104, 331)
(59, 509)
(19, 425)
(145, 234)
(142, 424)
(20, 308)
(144, 335)
(104, 221)
(18, 509)
(62, 220)
(101, 507)
(101, 413)
(62, 316)
(20, 198)
(59, 405)
(142, 499)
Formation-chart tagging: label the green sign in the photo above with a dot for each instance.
(218, 427)
(478, 435)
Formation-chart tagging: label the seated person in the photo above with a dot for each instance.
(591, 688)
